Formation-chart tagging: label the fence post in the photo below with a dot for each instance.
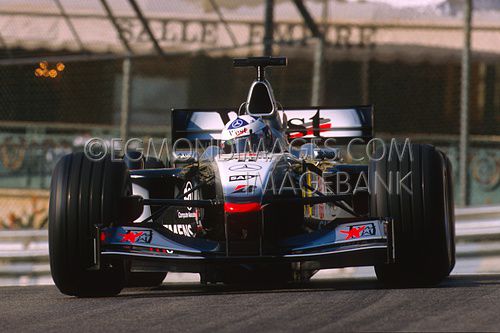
(318, 82)
(465, 103)
(269, 28)
(125, 97)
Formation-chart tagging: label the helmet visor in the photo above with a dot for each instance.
(238, 145)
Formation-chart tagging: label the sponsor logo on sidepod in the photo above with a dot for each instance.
(245, 167)
(236, 178)
(359, 231)
(142, 236)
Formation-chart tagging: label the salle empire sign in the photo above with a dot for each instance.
(211, 33)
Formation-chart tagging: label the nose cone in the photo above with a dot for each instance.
(243, 181)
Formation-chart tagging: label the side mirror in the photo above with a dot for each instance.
(312, 152)
(332, 154)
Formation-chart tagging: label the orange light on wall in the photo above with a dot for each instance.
(43, 70)
(38, 72)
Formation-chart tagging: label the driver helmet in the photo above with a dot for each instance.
(243, 135)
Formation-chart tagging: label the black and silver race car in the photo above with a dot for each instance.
(256, 194)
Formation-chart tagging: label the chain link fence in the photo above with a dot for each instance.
(64, 78)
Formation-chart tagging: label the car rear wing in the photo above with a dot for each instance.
(343, 124)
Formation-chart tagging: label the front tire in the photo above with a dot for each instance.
(423, 217)
(85, 194)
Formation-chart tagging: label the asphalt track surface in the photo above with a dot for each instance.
(461, 303)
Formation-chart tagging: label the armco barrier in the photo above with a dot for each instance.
(25, 252)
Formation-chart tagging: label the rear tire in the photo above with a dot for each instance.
(84, 194)
(423, 219)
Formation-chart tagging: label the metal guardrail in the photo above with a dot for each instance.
(480, 223)
(23, 235)
(477, 212)
(25, 252)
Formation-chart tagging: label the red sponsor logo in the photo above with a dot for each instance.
(131, 236)
(310, 130)
(353, 232)
(238, 132)
(244, 189)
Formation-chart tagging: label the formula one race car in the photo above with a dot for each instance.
(255, 194)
